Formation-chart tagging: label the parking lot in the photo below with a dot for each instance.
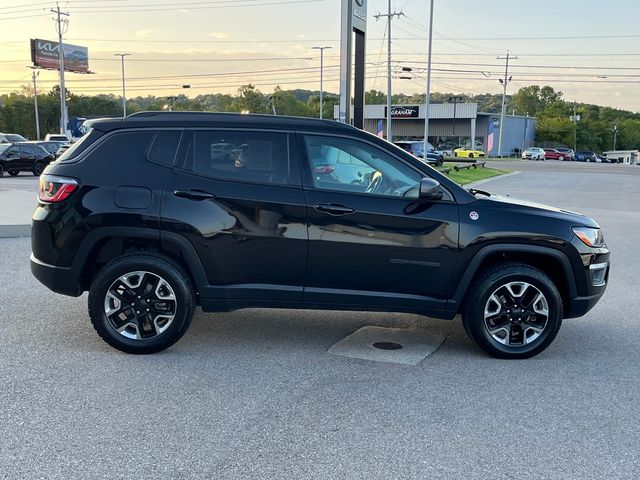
(254, 393)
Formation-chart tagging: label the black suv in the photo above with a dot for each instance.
(23, 157)
(160, 212)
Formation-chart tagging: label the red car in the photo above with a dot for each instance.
(553, 154)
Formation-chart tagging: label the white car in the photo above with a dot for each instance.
(533, 153)
(56, 137)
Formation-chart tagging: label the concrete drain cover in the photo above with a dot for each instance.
(395, 345)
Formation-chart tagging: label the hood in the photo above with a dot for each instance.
(532, 207)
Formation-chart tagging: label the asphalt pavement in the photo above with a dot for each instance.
(254, 393)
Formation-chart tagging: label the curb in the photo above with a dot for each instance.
(487, 180)
(15, 231)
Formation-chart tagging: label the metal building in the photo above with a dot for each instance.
(452, 125)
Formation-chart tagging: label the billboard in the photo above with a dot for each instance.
(44, 54)
(403, 111)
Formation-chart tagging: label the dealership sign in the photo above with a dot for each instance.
(403, 111)
(45, 54)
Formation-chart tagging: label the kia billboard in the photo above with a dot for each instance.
(44, 54)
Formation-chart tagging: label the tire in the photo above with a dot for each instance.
(513, 339)
(38, 168)
(1, 170)
(14, 173)
(471, 155)
(128, 279)
(561, 158)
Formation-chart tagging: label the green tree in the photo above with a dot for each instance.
(250, 99)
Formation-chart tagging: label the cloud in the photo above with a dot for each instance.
(219, 35)
(144, 33)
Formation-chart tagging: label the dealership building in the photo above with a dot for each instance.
(452, 124)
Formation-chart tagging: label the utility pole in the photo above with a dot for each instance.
(389, 16)
(575, 129)
(428, 96)
(35, 74)
(124, 96)
(504, 83)
(322, 49)
(62, 24)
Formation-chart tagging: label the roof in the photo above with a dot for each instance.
(210, 119)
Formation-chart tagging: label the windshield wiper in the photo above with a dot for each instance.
(474, 191)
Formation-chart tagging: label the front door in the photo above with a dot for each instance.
(237, 197)
(371, 240)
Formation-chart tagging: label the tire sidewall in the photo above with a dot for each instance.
(475, 314)
(158, 266)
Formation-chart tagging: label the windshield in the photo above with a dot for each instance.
(12, 137)
(4, 147)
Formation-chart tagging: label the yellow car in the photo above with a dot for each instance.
(468, 153)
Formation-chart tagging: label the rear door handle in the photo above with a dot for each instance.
(194, 194)
(334, 209)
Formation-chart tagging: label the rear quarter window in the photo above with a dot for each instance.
(129, 146)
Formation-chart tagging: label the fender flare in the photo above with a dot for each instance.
(176, 240)
(479, 257)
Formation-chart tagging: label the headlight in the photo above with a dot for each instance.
(591, 237)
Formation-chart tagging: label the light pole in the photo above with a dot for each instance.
(428, 95)
(171, 100)
(35, 75)
(124, 96)
(615, 136)
(322, 49)
(455, 100)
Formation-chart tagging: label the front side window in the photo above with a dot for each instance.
(242, 155)
(351, 166)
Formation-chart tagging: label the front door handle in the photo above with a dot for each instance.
(194, 194)
(334, 209)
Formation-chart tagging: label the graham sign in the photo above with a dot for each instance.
(44, 54)
(403, 112)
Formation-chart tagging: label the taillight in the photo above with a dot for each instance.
(54, 189)
(324, 169)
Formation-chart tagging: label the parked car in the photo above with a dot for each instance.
(57, 137)
(603, 159)
(11, 138)
(568, 153)
(465, 152)
(554, 154)
(63, 148)
(416, 148)
(533, 153)
(139, 214)
(50, 146)
(23, 157)
(586, 157)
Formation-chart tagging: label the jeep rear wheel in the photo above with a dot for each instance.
(515, 311)
(141, 303)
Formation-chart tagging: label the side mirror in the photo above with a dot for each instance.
(430, 189)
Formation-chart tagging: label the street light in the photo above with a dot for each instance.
(322, 49)
(455, 100)
(124, 97)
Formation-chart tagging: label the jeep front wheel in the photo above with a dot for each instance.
(515, 311)
(141, 303)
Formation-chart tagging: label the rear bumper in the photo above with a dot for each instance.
(59, 279)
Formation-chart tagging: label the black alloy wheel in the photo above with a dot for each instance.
(515, 311)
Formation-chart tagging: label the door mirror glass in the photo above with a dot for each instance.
(430, 189)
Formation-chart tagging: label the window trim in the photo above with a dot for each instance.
(152, 144)
(295, 175)
(307, 177)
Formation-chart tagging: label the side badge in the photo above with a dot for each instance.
(474, 215)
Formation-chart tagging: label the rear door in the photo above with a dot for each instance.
(236, 195)
(13, 158)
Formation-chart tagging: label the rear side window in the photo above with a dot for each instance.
(80, 146)
(128, 146)
(164, 146)
(242, 155)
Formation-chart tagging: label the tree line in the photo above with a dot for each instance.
(591, 128)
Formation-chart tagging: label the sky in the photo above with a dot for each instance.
(587, 49)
